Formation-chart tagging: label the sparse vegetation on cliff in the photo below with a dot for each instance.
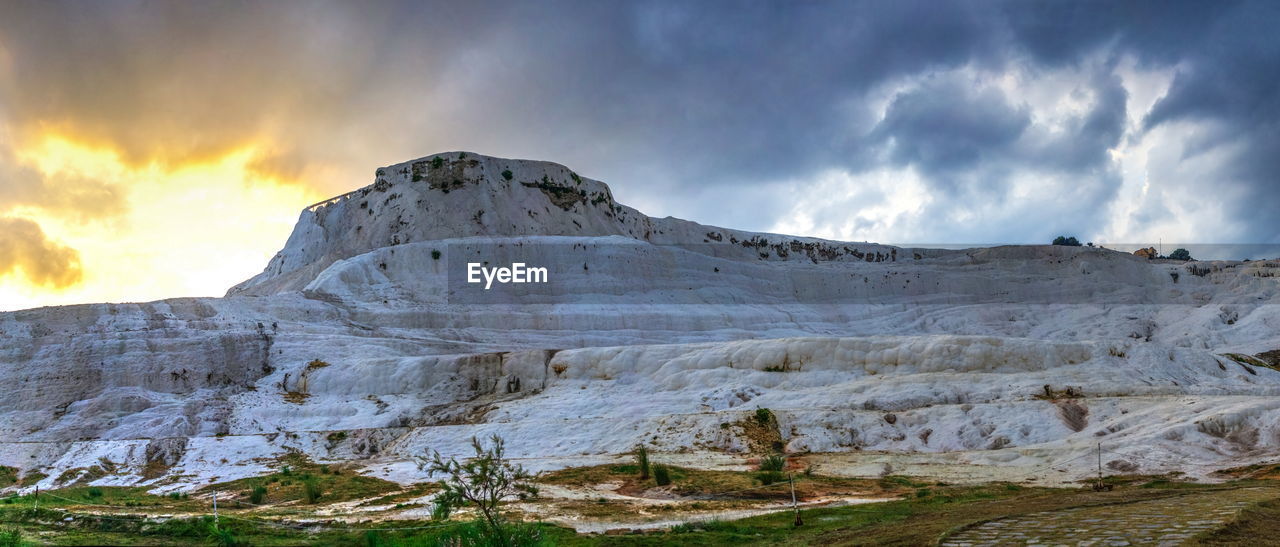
(764, 416)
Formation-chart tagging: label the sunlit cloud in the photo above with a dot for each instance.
(877, 206)
(192, 229)
(26, 253)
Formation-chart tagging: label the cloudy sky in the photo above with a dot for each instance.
(157, 149)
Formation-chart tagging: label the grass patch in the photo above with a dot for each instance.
(1260, 471)
(924, 511)
(154, 469)
(661, 475)
(32, 477)
(82, 475)
(1249, 360)
(705, 485)
(299, 479)
(8, 476)
(1257, 521)
(409, 494)
(133, 497)
(48, 527)
(915, 520)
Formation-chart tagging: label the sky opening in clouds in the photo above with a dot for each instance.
(152, 150)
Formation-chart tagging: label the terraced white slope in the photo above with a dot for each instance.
(354, 345)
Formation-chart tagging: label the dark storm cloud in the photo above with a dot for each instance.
(1084, 145)
(945, 126)
(1057, 33)
(968, 144)
(1231, 85)
(724, 94)
(673, 103)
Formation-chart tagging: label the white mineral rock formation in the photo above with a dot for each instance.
(357, 343)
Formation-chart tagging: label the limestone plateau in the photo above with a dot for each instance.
(1005, 363)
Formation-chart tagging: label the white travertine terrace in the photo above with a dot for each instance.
(914, 360)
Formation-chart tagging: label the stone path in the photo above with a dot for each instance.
(1166, 521)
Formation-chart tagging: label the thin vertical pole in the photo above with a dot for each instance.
(794, 507)
(215, 507)
(37, 496)
(1099, 465)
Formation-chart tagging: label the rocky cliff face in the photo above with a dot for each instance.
(356, 344)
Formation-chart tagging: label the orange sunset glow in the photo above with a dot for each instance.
(156, 228)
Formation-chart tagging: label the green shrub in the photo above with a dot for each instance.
(224, 537)
(706, 526)
(773, 462)
(437, 162)
(642, 461)
(1066, 241)
(683, 528)
(435, 254)
(513, 533)
(1180, 254)
(506, 174)
(661, 475)
(769, 477)
(95, 492)
(764, 416)
(182, 527)
(483, 481)
(311, 491)
(11, 537)
(258, 493)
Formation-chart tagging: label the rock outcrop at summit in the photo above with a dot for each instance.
(458, 195)
(356, 344)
